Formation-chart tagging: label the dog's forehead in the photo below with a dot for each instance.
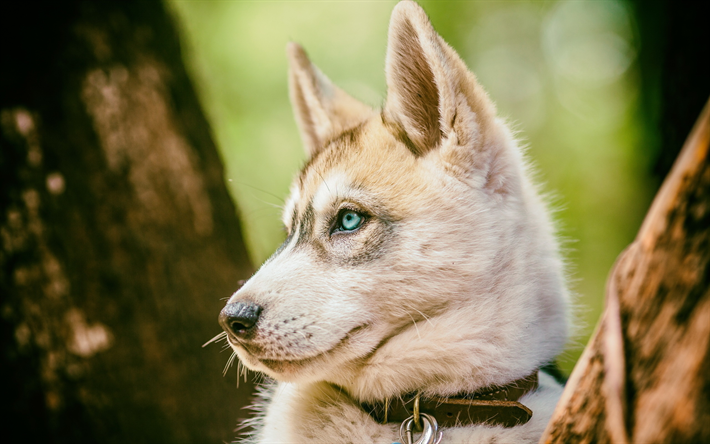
(367, 159)
(328, 168)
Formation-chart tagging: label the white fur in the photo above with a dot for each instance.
(454, 283)
(290, 205)
(329, 190)
(319, 414)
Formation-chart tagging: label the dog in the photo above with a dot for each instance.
(420, 288)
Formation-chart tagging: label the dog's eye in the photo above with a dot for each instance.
(350, 220)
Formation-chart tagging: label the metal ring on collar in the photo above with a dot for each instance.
(430, 430)
(417, 421)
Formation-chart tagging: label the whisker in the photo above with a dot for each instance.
(229, 363)
(260, 190)
(326, 183)
(415, 325)
(426, 318)
(273, 205)
(241, 371)
(245, 371)
(219, 337)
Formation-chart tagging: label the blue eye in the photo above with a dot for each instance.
(350, 220)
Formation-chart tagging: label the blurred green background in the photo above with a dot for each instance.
(564, 74)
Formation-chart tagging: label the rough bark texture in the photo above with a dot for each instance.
(645, 375)
(118, 239)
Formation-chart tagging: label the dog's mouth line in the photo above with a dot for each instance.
(276, 364)
(394, 333)
(280, 362)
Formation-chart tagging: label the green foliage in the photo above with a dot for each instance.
(562, 73)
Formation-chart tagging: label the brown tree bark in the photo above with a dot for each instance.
(118, 239)
(645, 375)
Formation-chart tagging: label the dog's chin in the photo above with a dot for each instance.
(309, 368)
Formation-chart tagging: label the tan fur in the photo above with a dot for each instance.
(452, 284)
(322, 109)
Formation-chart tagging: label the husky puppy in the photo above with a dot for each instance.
(420, 273)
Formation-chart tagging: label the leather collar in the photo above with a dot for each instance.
(493, 405)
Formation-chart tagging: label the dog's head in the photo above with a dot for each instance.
(418, 254)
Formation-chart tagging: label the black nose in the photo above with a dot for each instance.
(238, 318)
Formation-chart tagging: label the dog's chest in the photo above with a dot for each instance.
(319, 413)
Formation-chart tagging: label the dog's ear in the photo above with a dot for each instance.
(431, 94)
(322, 109)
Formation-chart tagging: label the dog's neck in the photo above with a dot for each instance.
(364, 386)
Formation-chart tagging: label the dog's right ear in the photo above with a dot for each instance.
(322, 109)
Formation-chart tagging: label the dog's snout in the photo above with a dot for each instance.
(238, 318)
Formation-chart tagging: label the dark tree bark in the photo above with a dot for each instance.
(117, 236)
(645, 375)
(674, 68)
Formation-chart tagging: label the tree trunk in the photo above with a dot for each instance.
(118, 240)
(645, 375)
(674, 68)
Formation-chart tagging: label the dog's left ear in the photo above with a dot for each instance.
(322, 109)
(431, 95)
